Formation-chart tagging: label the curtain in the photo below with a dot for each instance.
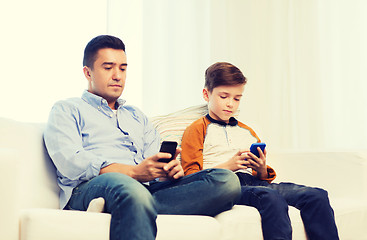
(304, 61)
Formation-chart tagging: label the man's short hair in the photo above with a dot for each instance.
(97, 43)
(223, 74)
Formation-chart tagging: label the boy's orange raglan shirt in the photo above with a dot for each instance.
(206, 133)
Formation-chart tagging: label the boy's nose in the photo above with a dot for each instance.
(230, 103)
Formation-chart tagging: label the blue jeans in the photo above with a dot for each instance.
(272, 200)
(134, 206)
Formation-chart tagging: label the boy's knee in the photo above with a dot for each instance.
(318, 195)
(265, 198)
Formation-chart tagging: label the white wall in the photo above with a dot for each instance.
(41, 47)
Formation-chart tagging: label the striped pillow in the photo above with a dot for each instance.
(172, 126)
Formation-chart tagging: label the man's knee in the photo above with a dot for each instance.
(123, 190)
(225, 181)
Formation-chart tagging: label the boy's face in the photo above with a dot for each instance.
(108, 76)
(223, 101)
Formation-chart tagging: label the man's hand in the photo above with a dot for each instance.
(173, 168)
(150, 168)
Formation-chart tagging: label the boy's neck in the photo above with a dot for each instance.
(232, 121)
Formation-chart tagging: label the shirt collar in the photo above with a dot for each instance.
(97, 101)
(232, 121)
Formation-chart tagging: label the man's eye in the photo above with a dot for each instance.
(123, 69)
(108, 68)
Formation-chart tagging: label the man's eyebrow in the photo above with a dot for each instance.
(112, 63)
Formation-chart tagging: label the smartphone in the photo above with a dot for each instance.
(254, 147)
(168, 147)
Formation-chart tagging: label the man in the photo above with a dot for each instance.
(104, 148)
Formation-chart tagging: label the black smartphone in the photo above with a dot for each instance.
(254, 150)
(168, 147)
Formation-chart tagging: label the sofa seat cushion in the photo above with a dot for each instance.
(350, 217)
(36, 224)
(183, 227)
(237, 222)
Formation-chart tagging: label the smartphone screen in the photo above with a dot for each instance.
(168, 147)
(254, 147)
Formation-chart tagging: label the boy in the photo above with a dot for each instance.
(217, 141)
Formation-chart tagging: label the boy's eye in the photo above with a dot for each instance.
(223, 97)
(237, 99)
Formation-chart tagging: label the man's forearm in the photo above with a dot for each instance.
(118, 167)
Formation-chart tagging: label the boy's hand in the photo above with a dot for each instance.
(237, 162)
(258, 164)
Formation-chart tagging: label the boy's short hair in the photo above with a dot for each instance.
(223, 74)
(97, 43)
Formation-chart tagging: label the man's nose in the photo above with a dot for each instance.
(116, 75)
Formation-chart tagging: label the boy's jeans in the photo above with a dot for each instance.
(272, 200)
(134, 206)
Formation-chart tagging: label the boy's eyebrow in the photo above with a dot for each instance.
(238, 95)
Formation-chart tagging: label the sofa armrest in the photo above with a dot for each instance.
(342, 174)
(8, 188)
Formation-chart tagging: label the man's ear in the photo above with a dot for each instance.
(206, 94)
(86, 71)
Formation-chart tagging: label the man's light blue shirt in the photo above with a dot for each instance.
(84, 135)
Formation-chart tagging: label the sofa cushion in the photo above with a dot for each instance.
(36, 224)
(172, 126)
(237, 222)
(183, 227)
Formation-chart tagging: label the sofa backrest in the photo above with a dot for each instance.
(36, 173)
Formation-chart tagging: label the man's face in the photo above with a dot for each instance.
(223, 101)
(108, 76)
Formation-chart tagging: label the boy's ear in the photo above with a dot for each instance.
(206, 94)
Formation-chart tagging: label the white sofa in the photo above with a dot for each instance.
(29, 192)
